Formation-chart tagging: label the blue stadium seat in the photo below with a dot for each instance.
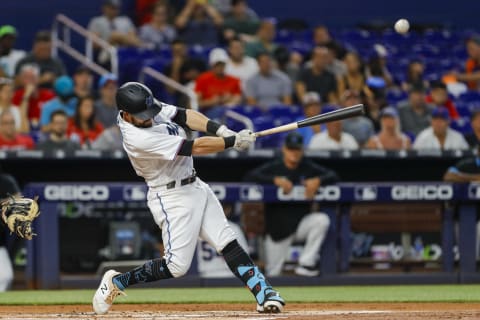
(396, 95)
(470, 96)
(248, 111)
(462, 125)
(291, 112)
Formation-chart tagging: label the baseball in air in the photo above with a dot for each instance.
(402, 26)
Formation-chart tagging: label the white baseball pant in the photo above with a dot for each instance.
(312, 229)
(184, 214)
(6, 273)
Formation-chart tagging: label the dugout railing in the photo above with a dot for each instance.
(43, 254)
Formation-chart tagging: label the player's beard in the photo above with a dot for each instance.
(143, 124)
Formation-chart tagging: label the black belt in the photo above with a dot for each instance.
(183, 182)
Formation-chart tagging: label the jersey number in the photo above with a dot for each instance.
(208, 253)
(172, 129)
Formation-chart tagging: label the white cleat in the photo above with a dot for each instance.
(273, 303)
(106, 293)
(270, 307)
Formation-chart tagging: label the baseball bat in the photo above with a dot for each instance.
(340, 114)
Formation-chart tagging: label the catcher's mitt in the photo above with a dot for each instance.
(18, 214)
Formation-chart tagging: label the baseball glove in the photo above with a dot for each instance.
(18, 214)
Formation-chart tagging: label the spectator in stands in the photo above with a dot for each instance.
(288, 62)
(41, 55)
(334, 138)
(57, 138)
(322, 37)
(240, 22)
(374, 96)
(390, 137)
(239, 65)
(361, 128)
(439, 135)
(312, 106)
(113, 28)
(20, 113)
(84, 127)
(414, 76)
(269, 87)
(473, 138)
(105, 106)
(215, 88)
(82, 80)
(9, 56)
(317, 78)
(472, 67)
(334, 65)
(30, 93)
(226, 6)
(10, 139)
(415, 112)
(199, 23)
(65, 101)
(264, 40)
(181, 67)
(158, 33)
(354, 79)
(289, 221)
(439, 97)
(109, 140)
(377, 66)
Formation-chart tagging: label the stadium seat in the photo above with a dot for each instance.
(470, 96)
(248, 111)
(291, 112)
(462, 125)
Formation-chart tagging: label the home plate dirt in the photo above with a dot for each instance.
(297, 311)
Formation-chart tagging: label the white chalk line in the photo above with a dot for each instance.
(192, 315)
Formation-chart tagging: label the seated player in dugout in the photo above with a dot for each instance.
(465, 170)
(295, 221)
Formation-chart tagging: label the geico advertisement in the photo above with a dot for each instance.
(422, 192)
(76, 192)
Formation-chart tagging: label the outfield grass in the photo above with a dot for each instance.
(430, 293)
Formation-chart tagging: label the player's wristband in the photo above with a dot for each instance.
(229, 141)
(212, 127)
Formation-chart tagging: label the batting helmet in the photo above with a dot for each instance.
(137, 99)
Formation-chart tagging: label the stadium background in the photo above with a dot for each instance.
(361, 167)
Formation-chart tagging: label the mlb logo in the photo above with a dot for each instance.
(251, 193)
(474, 191)
(366, 193)
(134, 193)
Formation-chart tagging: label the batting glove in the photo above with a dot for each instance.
(224, 132)
(244, 139)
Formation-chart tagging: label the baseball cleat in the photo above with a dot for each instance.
(273, 303)
(307, 271)
(106, 293)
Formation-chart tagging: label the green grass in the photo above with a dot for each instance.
(430, 293)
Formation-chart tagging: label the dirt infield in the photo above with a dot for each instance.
(297, 311)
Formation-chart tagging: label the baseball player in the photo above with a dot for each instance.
(182, 205)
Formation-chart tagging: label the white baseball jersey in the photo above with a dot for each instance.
(153, 151)
(184, 213)
(211, 264)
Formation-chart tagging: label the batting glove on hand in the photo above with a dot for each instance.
(224, 132)
(244, 139)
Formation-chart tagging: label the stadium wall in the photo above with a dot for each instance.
(30, 15)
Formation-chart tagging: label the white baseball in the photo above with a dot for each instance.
(402, 26)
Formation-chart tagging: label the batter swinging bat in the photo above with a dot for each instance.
(341, 114)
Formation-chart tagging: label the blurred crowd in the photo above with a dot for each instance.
(44, 107)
